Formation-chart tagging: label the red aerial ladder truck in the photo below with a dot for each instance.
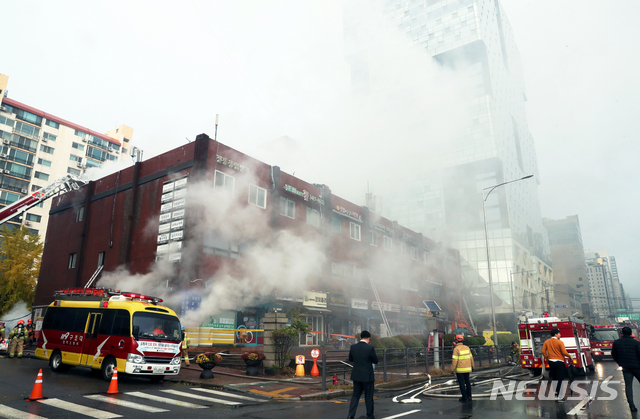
(59, 186)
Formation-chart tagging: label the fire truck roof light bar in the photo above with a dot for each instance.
(104, 292)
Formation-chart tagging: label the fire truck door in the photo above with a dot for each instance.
(91, 348)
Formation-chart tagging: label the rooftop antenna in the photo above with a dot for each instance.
(215, 135)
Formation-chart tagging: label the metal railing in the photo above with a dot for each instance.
(404, 362)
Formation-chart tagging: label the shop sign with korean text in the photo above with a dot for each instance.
(315, 299)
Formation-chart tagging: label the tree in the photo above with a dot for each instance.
(284, 339)
(20, 256)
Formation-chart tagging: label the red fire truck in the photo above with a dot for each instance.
(602, 338)
(574, 333)
(101, 329)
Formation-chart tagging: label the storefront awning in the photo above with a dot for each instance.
(323, 310)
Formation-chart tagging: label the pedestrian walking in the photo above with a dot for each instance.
(17, 336)
(462, 365)
(363, 356)
(554, 354)
(185, 346)
(626, 352)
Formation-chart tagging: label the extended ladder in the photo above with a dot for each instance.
(375, 292)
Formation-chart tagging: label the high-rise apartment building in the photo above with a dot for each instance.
(37, 148)
(604, 290)
(474, 38)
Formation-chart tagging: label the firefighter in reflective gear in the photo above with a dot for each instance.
(515, 352)
(185, 346)
(461, 365)
(17, 336)
(1, 331)
(30, 332)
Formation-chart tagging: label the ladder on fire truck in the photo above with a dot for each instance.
(382, 315)
(60, 186)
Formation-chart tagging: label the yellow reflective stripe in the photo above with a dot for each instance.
(465, 357)
(455, 357)
(465, 352)
(465, 369)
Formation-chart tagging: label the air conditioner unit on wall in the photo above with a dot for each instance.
(84, 140)
(4, 109)
(23, 191)
(6, 141)
(110, 150)
(27, 224)
(44, 140)
(3, 156)
(6, 172)
(80, 165)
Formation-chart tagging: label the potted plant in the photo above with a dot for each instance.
(253, 359)
(207, 361)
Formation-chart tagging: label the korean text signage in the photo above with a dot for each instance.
(393, 308)
(305, 194)
(171, 220)
(337, 300)
(414, 311)
(359, 304)
(230, 163)
(315, 299)
(348, 213)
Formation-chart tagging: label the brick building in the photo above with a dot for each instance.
(229, 237)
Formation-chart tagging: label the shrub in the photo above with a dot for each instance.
(392, 343)
(208, 357)
(507, 338)
(448, 339)
(409, 341)
(474, 340)
(374, 341)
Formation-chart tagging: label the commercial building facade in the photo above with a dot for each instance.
(474, 38)
(231, 238)
(38, 148)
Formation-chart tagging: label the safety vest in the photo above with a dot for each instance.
(462, 359)
(185, 341)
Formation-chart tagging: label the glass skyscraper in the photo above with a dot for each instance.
(444, 201)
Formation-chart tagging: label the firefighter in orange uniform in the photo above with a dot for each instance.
(462, 365)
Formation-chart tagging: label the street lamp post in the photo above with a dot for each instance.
(486, 237)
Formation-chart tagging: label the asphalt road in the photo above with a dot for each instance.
(80, 393)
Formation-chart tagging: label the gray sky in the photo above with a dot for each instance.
(277, 68)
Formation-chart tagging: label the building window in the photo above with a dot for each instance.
(53, 124)
(387, 243)
(45, 149)
(425, 257)
(34, 218)
(316, 323)
(80, 134)
(72, 260)
(73, 171)
(336, 224)
(126, 140)
(224, 181)
(79, 214)
(287, 207)
(40, 175)
(414, 253)
(354, 231)
(77, 146)
(258, 196)
(49, 137)
(74, 158)
(313, 217)
(373, 238)
(44, 162)
(403, 249)
(101, 259)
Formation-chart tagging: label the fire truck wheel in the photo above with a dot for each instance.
(56, 362)
(108, 366)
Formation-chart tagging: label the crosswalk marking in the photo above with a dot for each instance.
(402, 414)
(77, 408)
(196, 396)
(165, 400)
(11, 413)
(222, 393)
(124, 403)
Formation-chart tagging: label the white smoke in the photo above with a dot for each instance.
(18, 312)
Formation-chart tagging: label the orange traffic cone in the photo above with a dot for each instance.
(36, 393)
(113, 387)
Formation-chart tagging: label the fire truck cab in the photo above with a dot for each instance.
(574, 334)
(602, 338)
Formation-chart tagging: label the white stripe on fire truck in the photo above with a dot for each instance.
(222, 393)
(165, 400)
(11, 413)
(77, 408)
(124, 403)
(197, 396)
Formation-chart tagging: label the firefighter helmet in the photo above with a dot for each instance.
(20, 321)
(459, 338)
(30, 321)
(182, 327)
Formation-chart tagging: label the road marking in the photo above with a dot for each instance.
(411, 412)
(222, 393)
(11, 413)
(165, 400)
(77, 408)
(196, 396)
(577, 408)
(124, 403)
(275, 393)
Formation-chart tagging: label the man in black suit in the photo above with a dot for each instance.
(363, 357)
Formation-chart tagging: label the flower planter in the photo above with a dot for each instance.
(253, 367)
(206, 370)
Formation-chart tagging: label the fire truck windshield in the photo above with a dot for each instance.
(605, 335)
(156, 326)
